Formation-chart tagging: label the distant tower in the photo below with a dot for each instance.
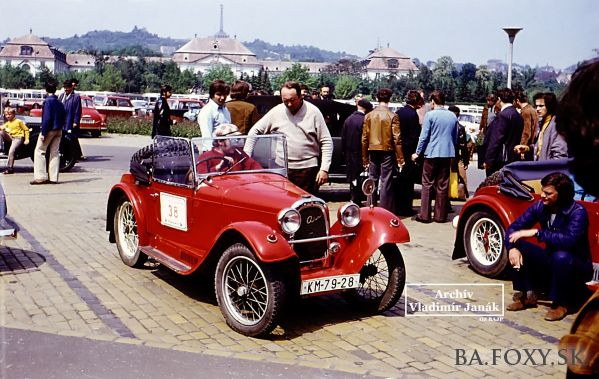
(221, 33)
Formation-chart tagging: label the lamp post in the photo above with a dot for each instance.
(511, 33)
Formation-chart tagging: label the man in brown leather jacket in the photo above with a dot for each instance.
(381, 147)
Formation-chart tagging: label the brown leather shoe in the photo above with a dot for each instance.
(522, 301)
(556, 314)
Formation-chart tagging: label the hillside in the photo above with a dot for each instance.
(104, 40)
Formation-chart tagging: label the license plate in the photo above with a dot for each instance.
(330, 283)
(87, 121)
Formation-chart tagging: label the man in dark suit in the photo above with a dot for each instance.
(409, 124)
(351, 145)
(503, 136)
(72, 107)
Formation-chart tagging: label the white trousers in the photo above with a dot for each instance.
(47, 155)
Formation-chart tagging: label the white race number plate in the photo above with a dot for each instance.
(173, 211)
(330, 283)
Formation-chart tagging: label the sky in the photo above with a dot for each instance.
(559, 33)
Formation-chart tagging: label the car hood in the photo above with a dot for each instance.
(260, 192)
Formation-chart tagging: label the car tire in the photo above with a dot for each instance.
(382, 280)
(484, 244)
(95, 133)
(126, 235)
(67, 155)
(250, 307)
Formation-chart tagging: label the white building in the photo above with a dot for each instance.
(276, 68)
(383, 62)
(81, 62)
(31, 53)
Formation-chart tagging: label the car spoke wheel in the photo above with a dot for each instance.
(484, 244)
(248, 294)
(127, 240)
(382, 280)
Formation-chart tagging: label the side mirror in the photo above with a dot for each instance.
(368, 188)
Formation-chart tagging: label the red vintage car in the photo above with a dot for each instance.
(241, 222)
(91, 120)
(486, 216)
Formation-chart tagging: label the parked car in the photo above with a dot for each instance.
(91, 120)
(8, 229)
(114, 106)
(338, 112)
(67, 146)
(181, 106)
(485, 217)
(263, 239)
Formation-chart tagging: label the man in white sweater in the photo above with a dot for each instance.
(308, 139)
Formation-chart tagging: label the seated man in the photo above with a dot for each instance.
(224, 156)
(564, 265)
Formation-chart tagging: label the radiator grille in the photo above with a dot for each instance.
(314, 224)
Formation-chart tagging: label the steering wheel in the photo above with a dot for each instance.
(210, 159)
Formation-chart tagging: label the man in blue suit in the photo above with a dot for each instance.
(48, 143)
(437, 142)
(504, 134)
(72, 106)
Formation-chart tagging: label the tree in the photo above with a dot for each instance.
(297, 73)
(16, 77)
(425, 79)
(43, 77)
(346, 86)
(219, 71)
(444, 77)
(467, 83)
(111, 79)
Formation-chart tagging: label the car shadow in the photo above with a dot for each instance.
(96, 158)
(87, 180)
(301, 316)
(195, 286)
(18, 261)
(312, 314)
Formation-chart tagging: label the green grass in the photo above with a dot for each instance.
(143, 127)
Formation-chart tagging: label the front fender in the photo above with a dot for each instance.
(268, 244)
(116, 193)
(377, 227)
(475, 204)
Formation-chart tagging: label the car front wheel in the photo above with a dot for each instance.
(382, 280)
(484, 244)
(125, 231)
(249, 295)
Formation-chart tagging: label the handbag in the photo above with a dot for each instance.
(453, 185)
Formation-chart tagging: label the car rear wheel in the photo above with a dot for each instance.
(125, 231)
(382, 280)
(95, 133)
(249, 295)
(484, 244)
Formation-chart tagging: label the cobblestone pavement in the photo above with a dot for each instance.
(62, 276)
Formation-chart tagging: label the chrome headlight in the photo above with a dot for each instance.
(349, 215)
(290, 220)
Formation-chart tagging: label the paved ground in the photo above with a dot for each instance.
(62, 277)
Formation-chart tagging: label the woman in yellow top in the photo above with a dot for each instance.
(15, 131)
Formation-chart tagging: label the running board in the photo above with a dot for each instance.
(164, 259)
